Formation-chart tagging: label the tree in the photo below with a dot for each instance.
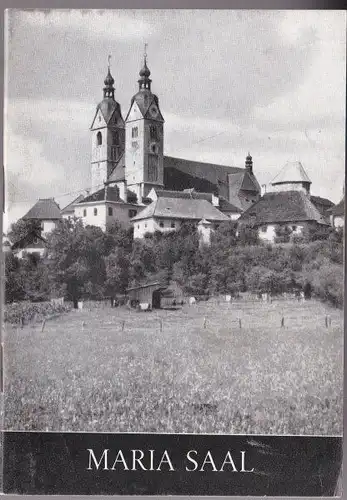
(117, 272)
(22, 228)
(247, 235)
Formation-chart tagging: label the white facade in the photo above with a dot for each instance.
(338, 221)
(104, 214)
(288, 186)
(267, 232)
(153, 224)
(47, 226)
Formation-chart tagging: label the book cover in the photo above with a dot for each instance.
(173, 252)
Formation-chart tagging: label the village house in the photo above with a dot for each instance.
(289, 204)
(169, 209)
(337, 214)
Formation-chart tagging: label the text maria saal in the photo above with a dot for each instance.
(150, 460)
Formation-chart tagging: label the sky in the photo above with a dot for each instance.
(229, 82)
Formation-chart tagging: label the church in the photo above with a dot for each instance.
(133, 182)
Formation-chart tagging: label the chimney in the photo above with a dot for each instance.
(249, 164)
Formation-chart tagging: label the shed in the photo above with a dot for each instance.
(149, 293)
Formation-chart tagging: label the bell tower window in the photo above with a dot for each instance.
(153, 132)
(152, 168)
(134, 132)
(99, 138)
(115, 136)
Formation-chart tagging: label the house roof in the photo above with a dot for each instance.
(339, 208)
(321, 201)
(32, 239)
(284, 206)
(112, 194)
(181, 208)
(44, 209)
(70, 207)
(291, 172)
(185, 194)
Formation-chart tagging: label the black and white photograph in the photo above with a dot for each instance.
(173, 234)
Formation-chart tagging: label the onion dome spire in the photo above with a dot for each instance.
(109, 82)
(249, 163)
(145, 81)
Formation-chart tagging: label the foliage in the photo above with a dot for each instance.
(26, 311)
(22, 228)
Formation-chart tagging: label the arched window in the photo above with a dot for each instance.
(99, 138)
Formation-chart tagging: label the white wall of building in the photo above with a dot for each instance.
(287, 186)
(267, 232)
(338, 221)
(106, 213)
(151, 225)
(47, 226)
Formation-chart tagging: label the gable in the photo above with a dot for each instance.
(134, 113)
(99, 120)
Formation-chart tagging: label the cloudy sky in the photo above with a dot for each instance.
(228, 82)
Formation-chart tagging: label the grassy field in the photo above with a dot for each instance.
(190, 370)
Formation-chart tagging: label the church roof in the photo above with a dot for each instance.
(44, 209)
(204, 177)
(226, 206)
(118, 172)
(283, 207)
(107, 107)
(181, 208)
(291, 172)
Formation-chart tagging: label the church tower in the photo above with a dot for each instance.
(144, 145)
(108, 135)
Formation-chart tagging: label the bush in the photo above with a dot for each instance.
(15, 313)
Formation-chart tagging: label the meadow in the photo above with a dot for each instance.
(213, 367)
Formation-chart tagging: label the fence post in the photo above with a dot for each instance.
(282, 322)
(204, 322)
(123, 325)
(326, 321)
(43, 325)
(161, 325)
(240, 323)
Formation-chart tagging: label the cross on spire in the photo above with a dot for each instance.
(145, 52)
(109, 61)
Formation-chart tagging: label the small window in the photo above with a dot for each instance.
(138, 226)
(134, 144)
(161, 224)
(99, 138)
(35, 241)
(154, 148)
(145, 225)
(95, 211)
(263, 229)
(294, 228)
(110, 211)
(132, 213)
(134, 132)
(85, 212)
(115, 136)
(173, 225)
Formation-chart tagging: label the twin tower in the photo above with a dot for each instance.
(128, 153)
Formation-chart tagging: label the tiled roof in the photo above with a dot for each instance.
(112, 194)
(284, 206)
(107, 107)
(321, 201)
(187, 194)
(118, 173)
(204, 177)
(44, 209)
(226, 206)
(181, 208)
(70, 207)
(338, 209)
(291, 172)
(32, 239)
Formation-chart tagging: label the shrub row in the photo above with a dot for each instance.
(19, 312)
